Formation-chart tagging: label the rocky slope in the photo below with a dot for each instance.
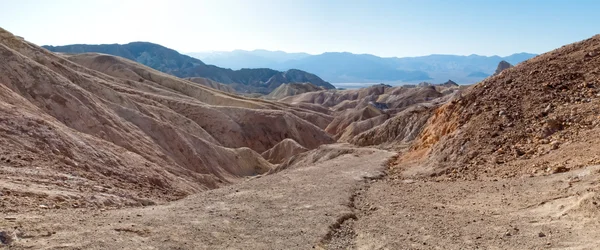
(115, 133)
(538, 117)
(261, 80)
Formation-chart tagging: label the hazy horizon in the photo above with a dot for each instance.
(228, 51)
(386, 28)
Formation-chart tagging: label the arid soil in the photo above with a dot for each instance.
(340, 199)
(555, 211)
(293, 209)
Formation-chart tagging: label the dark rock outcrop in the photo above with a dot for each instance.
(502, 66)
(449, 83)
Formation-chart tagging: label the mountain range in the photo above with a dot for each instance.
(257, 80)
(239, 59)
(344, 67)
(262, 71)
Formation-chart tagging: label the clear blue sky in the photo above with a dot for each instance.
(380, 27)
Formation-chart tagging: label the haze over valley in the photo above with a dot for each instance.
(343, 67)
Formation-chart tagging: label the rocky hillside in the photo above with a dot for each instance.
(538, 117)
(171, 62)
(98, 130)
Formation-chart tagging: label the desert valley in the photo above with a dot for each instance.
(137, 146)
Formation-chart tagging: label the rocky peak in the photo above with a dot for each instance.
(449, 83)
(502, 66)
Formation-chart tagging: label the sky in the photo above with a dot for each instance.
(381, 27)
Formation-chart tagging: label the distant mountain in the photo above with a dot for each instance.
(463, 69)
(518, 57)
(239, 59)
(261, 80)
(478, 74)
(343, 67)
(348, 67)
(449, 84)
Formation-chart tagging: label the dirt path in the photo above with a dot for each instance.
(336, 201)
(293, 209)
(558, 211)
